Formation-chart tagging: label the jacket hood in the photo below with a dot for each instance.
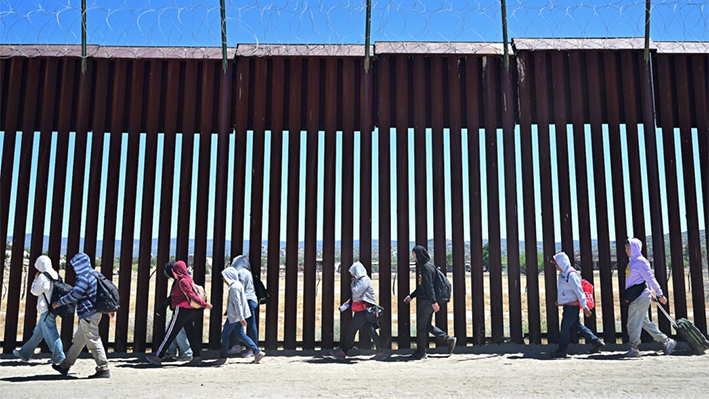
(81, 263)
(44, 264)
(636, 248)
(358, 270)
(563, 261)
(241, 262)
(179, 270)
(230, 274)
(422, 255)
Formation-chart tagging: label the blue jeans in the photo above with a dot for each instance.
(638, 321)
(571, 320)
(251, 328)
(46, 329)
(237, 328)
(182, 343)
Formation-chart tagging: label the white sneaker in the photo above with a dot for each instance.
(669, 346)
(633, 352)
(234, 350)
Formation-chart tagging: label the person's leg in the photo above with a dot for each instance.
(195, 341)
(245, 339)
(93, 340)
(226, 332)
(27, 350)
(652, 329)
(179, 318)
(48, 321)
(357, 322)
(78, 342)
(369, 327)
(183, 343)
(252, 329)
(424, 314)
(588, 335)
(637, 312)
(569, 318)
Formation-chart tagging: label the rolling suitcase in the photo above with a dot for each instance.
(688, 333)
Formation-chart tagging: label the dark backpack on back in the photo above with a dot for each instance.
(59, 289)
(107, 297)
(442, 286)
(261, 291)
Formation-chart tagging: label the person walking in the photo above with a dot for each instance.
(46, 327)
(638, 272)
(570, 295)
(181, 342)
(87, 333)
(363, 297)
(243, 269)
(427, 306)
(183, 317)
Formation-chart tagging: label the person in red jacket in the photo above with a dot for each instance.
(182, 293)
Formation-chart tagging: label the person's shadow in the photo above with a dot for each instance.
(41, 377)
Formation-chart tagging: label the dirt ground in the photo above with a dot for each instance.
(497, 371)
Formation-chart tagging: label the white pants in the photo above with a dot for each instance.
(638, 320)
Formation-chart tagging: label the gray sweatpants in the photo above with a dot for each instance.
(87, 335)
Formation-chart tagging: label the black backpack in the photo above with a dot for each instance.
(442, 286)
(107, 297)
(59, 289)
(261, 291)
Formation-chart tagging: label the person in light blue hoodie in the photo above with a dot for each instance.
(639, 272)
(237, 311)
(570, 295)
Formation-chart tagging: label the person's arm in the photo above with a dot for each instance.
(427, 274)
(40, 285)
(163, 307)
(76, 293)
(186, 287)
(575, 278)
(651, 281)
(357, 288)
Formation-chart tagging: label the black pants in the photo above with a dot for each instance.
(182, 317)
(358, 320)
(424, 315)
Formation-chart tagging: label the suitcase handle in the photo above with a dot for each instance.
(659, 306)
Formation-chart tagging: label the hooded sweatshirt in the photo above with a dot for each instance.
(638, 270)
(362, 288)
(41, 286)
(237, 307)
(569, 291)
(84, 291)
(182, 291)
(427, 273)
(242, 266)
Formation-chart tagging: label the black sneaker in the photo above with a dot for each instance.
(60, 369)
(101, 374)
(558, 354)
(597, 346)
(451, 345)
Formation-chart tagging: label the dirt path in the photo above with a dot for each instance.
(489, 371)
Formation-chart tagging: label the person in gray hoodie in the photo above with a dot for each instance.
(243, 268)
(362, 298)
(46, 327)
(638, 272)
(237, 311)
(570, 295)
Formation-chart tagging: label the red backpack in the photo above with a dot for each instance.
(587, 288)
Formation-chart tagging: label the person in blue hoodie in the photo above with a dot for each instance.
(237, 310)
(639, 272)
(570, 295)
(87, 335)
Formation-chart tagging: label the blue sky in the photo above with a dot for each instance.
(196, 23)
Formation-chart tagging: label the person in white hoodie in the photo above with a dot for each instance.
(570, 295)
(46, 327)
(638, 272)
(242, 266)
(237, 310)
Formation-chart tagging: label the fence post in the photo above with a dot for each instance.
(368, 26)
(225, 66)
(83, 37)
(648, 4)
(503, 11)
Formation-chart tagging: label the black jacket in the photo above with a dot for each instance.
(425, 290)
